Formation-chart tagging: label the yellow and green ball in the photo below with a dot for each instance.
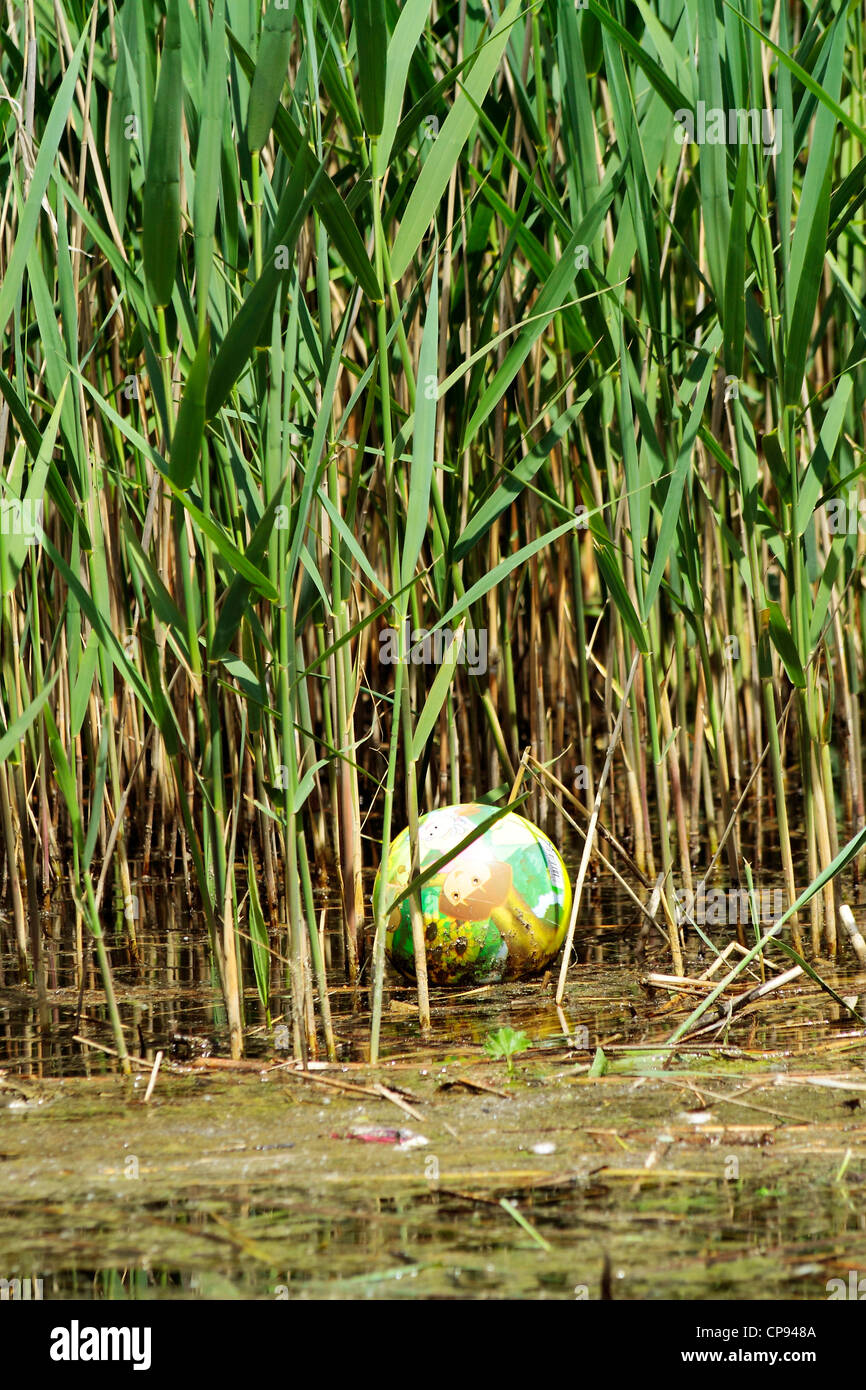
(498, 910)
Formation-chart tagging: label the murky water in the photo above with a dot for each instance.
(735, 1167)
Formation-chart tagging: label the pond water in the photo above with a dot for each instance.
(731, 1167)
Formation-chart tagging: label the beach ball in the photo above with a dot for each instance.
(497, 910)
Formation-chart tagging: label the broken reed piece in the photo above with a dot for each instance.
(730, 1008)
(153, 1075)
(676, 982)
(852, 931)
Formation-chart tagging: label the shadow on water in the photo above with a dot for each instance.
(733, 1167)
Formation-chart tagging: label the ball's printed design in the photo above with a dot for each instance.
(498, 910)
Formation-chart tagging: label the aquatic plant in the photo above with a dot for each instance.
(507, 1043)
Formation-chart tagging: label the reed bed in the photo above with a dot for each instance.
(376, 383)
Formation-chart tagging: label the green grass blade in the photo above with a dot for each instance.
(207, 164)
(802, 318)
(659, 80)
(237, 597)
(673, 501)
(826, 100)
(424, 436)
(501, 571)
(715, 207)
(14, 545)
(160, 236)
(259, 943)
(272, 69)
(189, 431)
(119, 128)
(437, 693)
(785, 645)
(407, 32)
(735, 273)
(549, 302)
(371, 38)
(327, 200)
(433, 179)
(245, 332)
(10, 286)
(11, 737)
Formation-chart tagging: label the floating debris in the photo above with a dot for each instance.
(697, 1117)
(384, 1134)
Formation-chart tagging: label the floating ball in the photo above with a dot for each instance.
(498, 910)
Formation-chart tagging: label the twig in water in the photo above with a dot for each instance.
(846, 917)
(110, 1051)
(153, 1075)
(396, 1099)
